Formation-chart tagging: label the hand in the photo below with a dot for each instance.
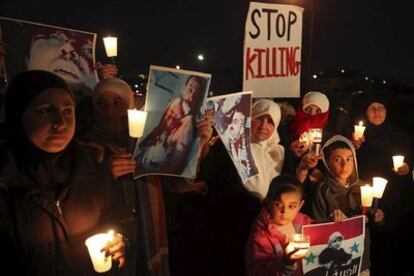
(116, 249)
(357, 142)
(106, 71)
(205, 128)
(338, 216)
(289, 250)
(315, 176)
(403, 169)
(298, 148)
(308, 161)
(378, 216)
(122, 164)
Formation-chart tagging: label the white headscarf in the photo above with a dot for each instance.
(116, 85)
(316, 98)
(268, 154)
(268, 107)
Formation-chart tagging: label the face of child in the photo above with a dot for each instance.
(284, 210)
(341, 164)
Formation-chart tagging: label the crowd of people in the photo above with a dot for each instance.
(64, 177)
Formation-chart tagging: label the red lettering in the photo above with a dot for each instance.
(249, 61)
(266, 61)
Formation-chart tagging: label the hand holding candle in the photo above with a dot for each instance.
(136, 122)
(101, 263)
(359, 130)
(299, 242)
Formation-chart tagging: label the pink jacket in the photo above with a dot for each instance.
(264, 249)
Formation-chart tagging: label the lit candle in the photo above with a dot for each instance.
(367, 195)
(359, 130)
(100, 262)
(136, 122)
(111, 46)
(398, 161)
(379, 184)
(301, 242)
(315, 135)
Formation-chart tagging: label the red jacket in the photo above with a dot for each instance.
(264, 249)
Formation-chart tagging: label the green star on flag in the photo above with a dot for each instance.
(354, 247)
(311, 258)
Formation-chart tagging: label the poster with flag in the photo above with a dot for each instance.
(336, 248)
(232, 121)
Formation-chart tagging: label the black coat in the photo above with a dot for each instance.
(43, 228)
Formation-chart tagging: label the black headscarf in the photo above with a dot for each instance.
(376, 135)
(23, 89)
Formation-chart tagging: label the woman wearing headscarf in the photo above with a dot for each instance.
(380, 142)
(268, 154)
(52, 196)
(313, 112)
(142, 198)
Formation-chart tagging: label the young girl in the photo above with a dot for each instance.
(266, 252)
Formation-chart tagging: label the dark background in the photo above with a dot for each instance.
(372, 38)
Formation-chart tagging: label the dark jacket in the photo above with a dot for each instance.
(44, 227)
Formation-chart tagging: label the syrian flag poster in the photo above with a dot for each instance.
(336, 248)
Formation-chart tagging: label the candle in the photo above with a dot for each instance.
(301, 242)
(315, 135)
(367, 195)
(379, 184)
(359, 130)
(111, 46)
(100, 262)
(398, 161)
(136, 122)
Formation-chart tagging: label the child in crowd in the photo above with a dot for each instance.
(266, 250)
(337, 195)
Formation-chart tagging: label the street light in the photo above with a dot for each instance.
(200, 57)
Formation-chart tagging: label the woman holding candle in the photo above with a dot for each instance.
(53, 196)
(375, 153)
(380, 142)
(267, 250)
(312, 113)
(109, 139)
(337, 195)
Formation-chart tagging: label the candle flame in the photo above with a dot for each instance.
(110, 235)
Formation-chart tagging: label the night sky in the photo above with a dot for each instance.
(371, 37)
